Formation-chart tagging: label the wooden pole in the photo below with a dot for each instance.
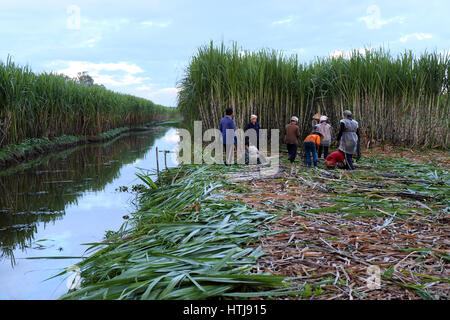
(157, 161)
(165, 159)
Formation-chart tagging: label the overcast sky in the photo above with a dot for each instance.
(142, 47)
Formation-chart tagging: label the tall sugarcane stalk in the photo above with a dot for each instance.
(397, 99)
(34, 105)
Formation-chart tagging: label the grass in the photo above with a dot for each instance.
(396, 99)
(185, 242)
(392, 186)
(198, 234)
(36, 146)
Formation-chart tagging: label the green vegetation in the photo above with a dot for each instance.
(386, 187)
(47, 105)
(186, 242)
(36, 146)
(197, 235)
(398, 100)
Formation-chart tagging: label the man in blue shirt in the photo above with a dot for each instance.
(229, 138)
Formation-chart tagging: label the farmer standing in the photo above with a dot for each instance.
(325, 129)
(348, 137)
(253, 124)
(291, 139)
(227, 129)
(315, 121)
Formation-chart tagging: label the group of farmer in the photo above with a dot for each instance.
(319, 140)
(316, 144)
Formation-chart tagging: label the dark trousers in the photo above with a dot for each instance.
(349, 160)
(324, 150)
(310, 148)
(292, 150)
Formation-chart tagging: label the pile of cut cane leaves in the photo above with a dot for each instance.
(185, 242)
(336, 228)
(389, 187)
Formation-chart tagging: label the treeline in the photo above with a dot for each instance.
(33, 106)
(401, 100)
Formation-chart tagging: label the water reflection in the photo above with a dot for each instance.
(38, 193)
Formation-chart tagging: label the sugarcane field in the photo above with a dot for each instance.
(234, 164)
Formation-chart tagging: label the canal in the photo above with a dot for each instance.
(53, 205)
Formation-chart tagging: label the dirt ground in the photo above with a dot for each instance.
(340, 257)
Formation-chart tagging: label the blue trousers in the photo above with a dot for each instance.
(310, 147)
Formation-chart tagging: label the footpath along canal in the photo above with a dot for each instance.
(52, 205)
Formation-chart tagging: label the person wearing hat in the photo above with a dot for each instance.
(325, 129)
(311, 145)
(348, 138)
(253, 124)
(291, 139)
(315, 121)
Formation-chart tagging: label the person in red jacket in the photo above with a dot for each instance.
(335, 159)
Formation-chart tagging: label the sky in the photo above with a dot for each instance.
(143, 47)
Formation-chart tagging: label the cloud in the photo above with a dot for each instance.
(103, 25)
(109, 74)
(72, 67)
(89, 43)
(285, 21)
(119, 81)
(418, 36)
(347, 54)
(146, 87)
(156, 24)
(373, 18)
(125, 76)
(172, 137)
(164, 96)
(91, 31)
(291, 52)
(164, 91)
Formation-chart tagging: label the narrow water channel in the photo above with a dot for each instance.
(51, 206)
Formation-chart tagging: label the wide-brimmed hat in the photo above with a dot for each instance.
(294, 118)
(316, 116)
(323, 118)
(253, 116)
(318, 133)
(347, 113)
